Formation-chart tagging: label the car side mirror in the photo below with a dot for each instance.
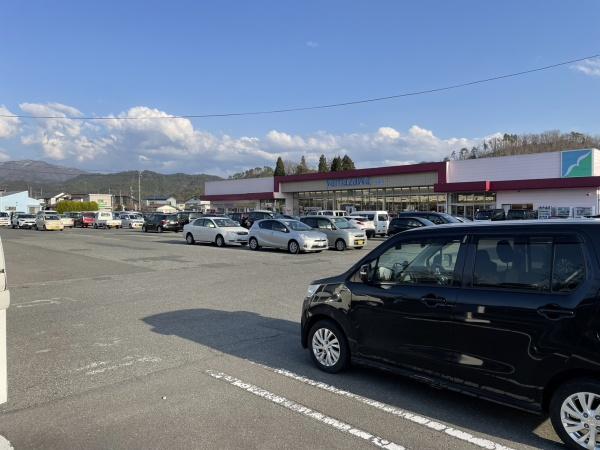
(363, 273)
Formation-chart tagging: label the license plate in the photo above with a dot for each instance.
(359, 242)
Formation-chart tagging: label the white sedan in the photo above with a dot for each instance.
(220, 230)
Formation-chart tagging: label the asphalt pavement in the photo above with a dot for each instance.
(125, 340)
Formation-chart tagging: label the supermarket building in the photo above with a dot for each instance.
(565, 183)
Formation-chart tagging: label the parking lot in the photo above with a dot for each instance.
(122, 339)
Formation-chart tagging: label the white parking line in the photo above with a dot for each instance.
(305, 411)
(423, 421)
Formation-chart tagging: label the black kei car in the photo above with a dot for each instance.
(160, 222)
(509, 312)
(399, 224)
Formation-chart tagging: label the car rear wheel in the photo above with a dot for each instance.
(160, 229)
(293, 247)
(253, 243)
(189, 238)
(340, 245)
(328, 347)
(575, 413)
(219, 241)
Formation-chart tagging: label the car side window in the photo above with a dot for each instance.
(266, 225)
(426, 261)
(277, 226)
(568, 270)
(523, 262)
(209, 223)
(199, 222)
(414, 223)
(324, 224)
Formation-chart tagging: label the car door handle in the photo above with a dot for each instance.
(432, 300)
(555, 312)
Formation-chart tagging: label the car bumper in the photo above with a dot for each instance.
(359, 242)
(54, 227)
(315, 246)
(238, 240)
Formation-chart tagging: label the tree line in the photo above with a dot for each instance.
(336, 164)
(522, 144)
(69, 206)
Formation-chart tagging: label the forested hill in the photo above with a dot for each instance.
(521, 144)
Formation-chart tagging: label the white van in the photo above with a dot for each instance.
(4, 302)
(381, 220)
(332, 213)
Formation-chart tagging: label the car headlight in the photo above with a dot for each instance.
(312, 289)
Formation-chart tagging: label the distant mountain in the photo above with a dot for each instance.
(41, 178)
(180, 185)
(30, 171)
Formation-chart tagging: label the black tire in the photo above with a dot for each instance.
(358, 248)
(370, 234)
(293, 247)
(189, 238)
(342, 346)
(95, 226)
(160, 229)
(130, 226)
(219, 241)
(564, 391)
(340, 245)
(253, 244)
(144, 229)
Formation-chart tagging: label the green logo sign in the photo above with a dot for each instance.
(576, 163)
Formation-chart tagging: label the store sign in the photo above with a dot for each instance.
(576, 163)
(354, 182)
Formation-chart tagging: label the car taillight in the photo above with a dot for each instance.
(164, 221)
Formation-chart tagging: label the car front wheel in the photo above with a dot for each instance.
(293, 247)
(189, 238)
(340, 245)
(253, 243)
(219, 241)
(575, 413)
(328, 347)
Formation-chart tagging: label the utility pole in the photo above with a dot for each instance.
(139, 190)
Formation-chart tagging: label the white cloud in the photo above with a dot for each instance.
(312, 44)
(9, 126)
(61, 138)
(589, 67)
(177, 145)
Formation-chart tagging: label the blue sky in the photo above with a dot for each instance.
(187, 57)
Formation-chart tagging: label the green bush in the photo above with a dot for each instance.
(69, 206)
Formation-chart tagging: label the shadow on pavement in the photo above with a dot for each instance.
(246, 334)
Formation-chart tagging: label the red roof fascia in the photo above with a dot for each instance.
(233, 197)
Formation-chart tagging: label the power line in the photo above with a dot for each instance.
(314, 107)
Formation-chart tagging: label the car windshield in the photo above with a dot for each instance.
(52, 217)
(26, 216)
(296, 225)
(225, 223)
(341, 223)
(449, 218)
(89, 215)
(484, 215)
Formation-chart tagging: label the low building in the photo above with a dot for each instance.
(19, 201)
(50, 200)
(563, 183)
(104, 201)
(152, 203)
(197, 204)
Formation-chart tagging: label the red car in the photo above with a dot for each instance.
(86, 219)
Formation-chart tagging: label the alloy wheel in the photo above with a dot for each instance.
(326, 347)
(293, 247)
(580, 418)
(253, 244)
(220, 241)
(189, 238)
(340, 245)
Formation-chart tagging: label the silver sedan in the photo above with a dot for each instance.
(292, 235)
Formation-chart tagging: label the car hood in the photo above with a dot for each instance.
(311, 234)
(235, 229)
(338, 279)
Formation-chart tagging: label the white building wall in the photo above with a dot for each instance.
(19, 201)
(521, 167)
(550, 197)
(245, 186)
